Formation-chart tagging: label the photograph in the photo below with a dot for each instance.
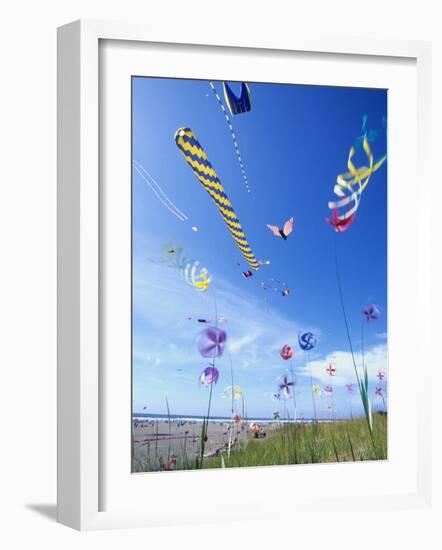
(259, 274)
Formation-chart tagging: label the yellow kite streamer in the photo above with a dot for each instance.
(196, 276)
(200, 280)
(197, 159)
(350, 185)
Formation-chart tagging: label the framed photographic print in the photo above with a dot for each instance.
(232, 363)
(234, 286)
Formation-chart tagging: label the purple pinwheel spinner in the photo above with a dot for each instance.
(285, 386)
(371, 312)
(209, 375)
(211, 342)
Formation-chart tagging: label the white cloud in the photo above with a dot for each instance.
(375, 358)
(237, 344)
(163, 301)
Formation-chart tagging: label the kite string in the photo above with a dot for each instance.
(159, 193)
(344, 314)
(232, 132)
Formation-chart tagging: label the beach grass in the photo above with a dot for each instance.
(340, 441)
(287, 443)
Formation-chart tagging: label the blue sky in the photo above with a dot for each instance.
(294, 143)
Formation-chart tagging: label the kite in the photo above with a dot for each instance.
(207, 321)
(211, 342)
(340, 225)
(246, 274)
(159, 193)
(349, 187)
(331, 369)
(378, 391)
(307, 341)
(232, 392)
(238, 105)
(232, 132)
(286, 352)
(199, 279)
(350, 388)
(284, 232)
(209, 375)
(316, 390)
(196, 276)
(173, 256)
(197, 159)
(285, 386)
(370, 133)
(371, 312)
(328, 390)
(200, 320)
(280, 288)
(381, 375)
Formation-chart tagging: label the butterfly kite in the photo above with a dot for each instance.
(284, 232)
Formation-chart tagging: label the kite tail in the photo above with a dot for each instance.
(232, 132)
(196, 158)
(158, 191)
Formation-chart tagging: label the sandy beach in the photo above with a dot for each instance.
(156, 441)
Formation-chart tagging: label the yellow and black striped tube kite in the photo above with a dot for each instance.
(197, 159)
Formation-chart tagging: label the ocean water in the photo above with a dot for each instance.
(196, 418)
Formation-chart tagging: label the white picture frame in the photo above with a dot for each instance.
(80, 293)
